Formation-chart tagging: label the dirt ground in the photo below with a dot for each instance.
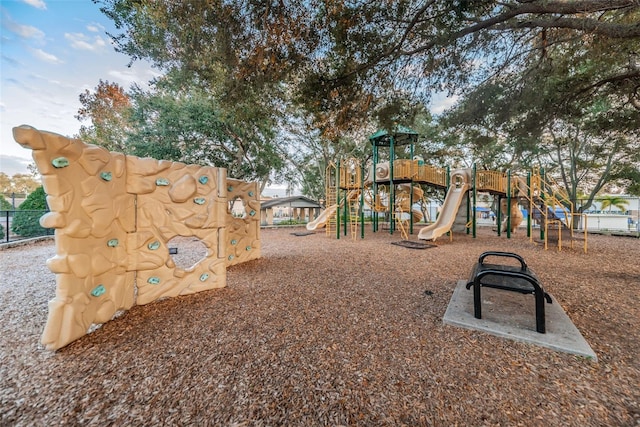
(322, 331)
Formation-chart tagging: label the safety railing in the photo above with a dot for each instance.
(492, 181)
(22, 224)
(430, 174)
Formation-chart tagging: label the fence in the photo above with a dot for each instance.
(22, 224)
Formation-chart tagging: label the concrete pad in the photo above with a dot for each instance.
(512, 315)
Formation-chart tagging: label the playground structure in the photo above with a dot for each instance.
(394, 185)
(114, 216)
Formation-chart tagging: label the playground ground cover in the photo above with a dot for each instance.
(330, 332)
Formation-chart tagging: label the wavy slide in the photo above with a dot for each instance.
(447, 216)
(322, 219)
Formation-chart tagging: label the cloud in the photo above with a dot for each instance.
(11, 61)
(80, 41)
(24, 31)
(12, 165)
(38, 4)
(46, 57)
(94, 27)
(129, 77)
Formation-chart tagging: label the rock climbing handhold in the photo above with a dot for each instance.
(60, 162)
(98, 290)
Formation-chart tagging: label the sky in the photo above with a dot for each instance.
(51, 52)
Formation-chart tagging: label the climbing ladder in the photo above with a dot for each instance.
(550, 204)
(354, 210)
(331, 195)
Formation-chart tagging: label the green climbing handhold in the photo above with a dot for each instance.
(98, 290)
(252, 213)
(203, 179)
(234, 242)
(154, 245)
(106, 176)
(204, 276)
(229, 189)
(153, 280)
(251, 193)
(199, 200)
(162, 181)
(60, 162)
(112, 243)
(248, 248)
(230, 257)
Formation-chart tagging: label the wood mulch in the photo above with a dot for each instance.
(322, 331)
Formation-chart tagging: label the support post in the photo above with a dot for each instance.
(509, 204)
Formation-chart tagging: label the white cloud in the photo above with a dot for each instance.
(94, 27)
(24, 31)
(130, 76)
(12, 165)
(46, 57)
(80, 41)
(38, 4)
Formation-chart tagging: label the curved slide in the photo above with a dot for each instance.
(322, 219)
(450, 207)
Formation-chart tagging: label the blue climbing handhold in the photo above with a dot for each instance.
(98, 290)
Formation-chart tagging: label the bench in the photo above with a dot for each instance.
(509, 278)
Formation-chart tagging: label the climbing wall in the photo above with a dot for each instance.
(114, 215)
(243, 233)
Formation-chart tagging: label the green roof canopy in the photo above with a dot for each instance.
(401, 135)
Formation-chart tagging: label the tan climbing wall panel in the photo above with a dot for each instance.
(92, 215)
(243, 233)
(114, 216)
(176, 200)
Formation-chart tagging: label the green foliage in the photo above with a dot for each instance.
(542, 80)
(179, 119)
(343, 59)
(26, 220)
(5, 205)
(613, 202)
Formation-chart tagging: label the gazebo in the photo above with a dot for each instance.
(298, 207)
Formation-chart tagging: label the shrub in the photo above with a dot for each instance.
(26, 221)
(4, 204)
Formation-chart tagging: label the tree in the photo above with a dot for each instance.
(5, 183)
(340, 58)
(537, 114)
(18, 183)
(179, 119)
(108, 111)
(613, 202)
(4, 204)
(23, 183)
(26, 220)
